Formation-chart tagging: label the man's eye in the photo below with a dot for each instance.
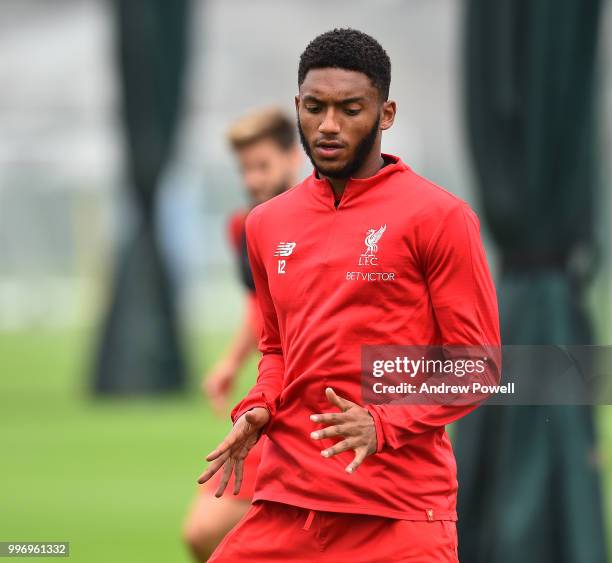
(313, 109)
(352, 111)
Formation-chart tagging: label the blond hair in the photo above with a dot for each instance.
(266, 123)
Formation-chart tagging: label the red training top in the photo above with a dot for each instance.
(236, 235)
(398, 262)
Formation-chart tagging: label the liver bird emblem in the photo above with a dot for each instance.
(371, 240)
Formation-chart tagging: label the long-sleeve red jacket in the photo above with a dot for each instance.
(399, 261)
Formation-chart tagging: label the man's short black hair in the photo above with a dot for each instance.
(349, 49)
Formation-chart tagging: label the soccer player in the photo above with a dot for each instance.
(363, 251)
(264, 143)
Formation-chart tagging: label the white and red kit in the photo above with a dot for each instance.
(399, 261)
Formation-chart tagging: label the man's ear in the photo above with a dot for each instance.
(387, 114)
(297, 103)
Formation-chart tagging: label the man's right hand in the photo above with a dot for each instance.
(233, 450)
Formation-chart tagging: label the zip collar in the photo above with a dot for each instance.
(322, 188)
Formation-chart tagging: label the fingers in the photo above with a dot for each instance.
(339, 402)
(328, 417)
(230, 464)
(341, 425)
(338, 448)
(244, 429)
(343, 404)
(225, 446)
(331, 432)
(238, 474)
(360, 454)
(225, 477)
(213, 468)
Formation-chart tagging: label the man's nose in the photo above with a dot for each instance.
(330, 124)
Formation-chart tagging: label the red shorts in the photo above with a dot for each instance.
(251, 463)
(272, 531)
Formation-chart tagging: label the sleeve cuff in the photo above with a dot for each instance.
(380, 436)
(250, 403)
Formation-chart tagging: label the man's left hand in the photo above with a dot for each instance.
(354, 423)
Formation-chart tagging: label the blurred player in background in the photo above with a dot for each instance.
(265, 145)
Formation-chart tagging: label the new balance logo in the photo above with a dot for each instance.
(284, 248)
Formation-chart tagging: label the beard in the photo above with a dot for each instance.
(361, 152)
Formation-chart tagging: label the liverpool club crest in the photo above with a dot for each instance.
(373, 236)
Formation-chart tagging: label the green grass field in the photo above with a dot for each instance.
(113, 477)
